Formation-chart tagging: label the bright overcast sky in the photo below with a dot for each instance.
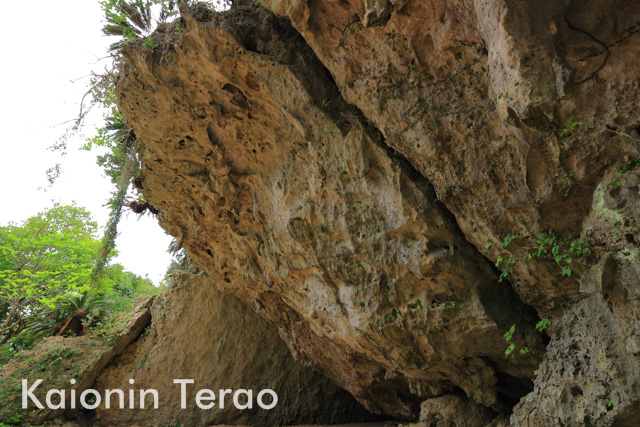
(43, 78)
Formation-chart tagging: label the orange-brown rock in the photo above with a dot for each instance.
(289, 199)
(475, 95)
(356, 170)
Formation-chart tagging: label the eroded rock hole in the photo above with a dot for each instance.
(239, 97)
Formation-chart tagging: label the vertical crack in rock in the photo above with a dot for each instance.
(291, 201)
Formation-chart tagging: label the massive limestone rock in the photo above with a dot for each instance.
(199, 333)
(591, 375)
(475, 94)
(285, 195)
(298, 168)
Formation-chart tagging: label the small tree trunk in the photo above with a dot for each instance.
(65, 325)
(7, 321)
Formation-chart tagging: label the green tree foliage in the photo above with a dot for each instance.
(119, 163)
(126, 19)
(124, 288)
(117, 138)
(133, 18)
(43, 261)
(46, 286)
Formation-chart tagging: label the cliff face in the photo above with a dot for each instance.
(356, 171)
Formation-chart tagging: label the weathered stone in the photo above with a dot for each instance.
(591, 374)
(290, 200)
(199, 333)
(476, 94)
(453, 411)
(267, 152)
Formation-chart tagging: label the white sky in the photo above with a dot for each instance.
(47, 45)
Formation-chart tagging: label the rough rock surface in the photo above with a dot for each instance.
(198, 333)
(591, 375)
(318, 225)
(453, 411)
(298, 167)
(475, 95)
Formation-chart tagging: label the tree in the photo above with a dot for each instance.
(47, 281)
(120, 163)
(44, 261)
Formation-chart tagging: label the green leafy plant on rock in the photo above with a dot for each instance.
(543, 324)
(625, 167)
(625, 223)
(570, 124)
(414, 305)
(507, 337)
(508, 239)
(443, 195)
(14, 420)
(149, 43)
(329, 130)
(512, 347)
(549, 245)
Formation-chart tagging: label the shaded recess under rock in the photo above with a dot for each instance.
(199, 333)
